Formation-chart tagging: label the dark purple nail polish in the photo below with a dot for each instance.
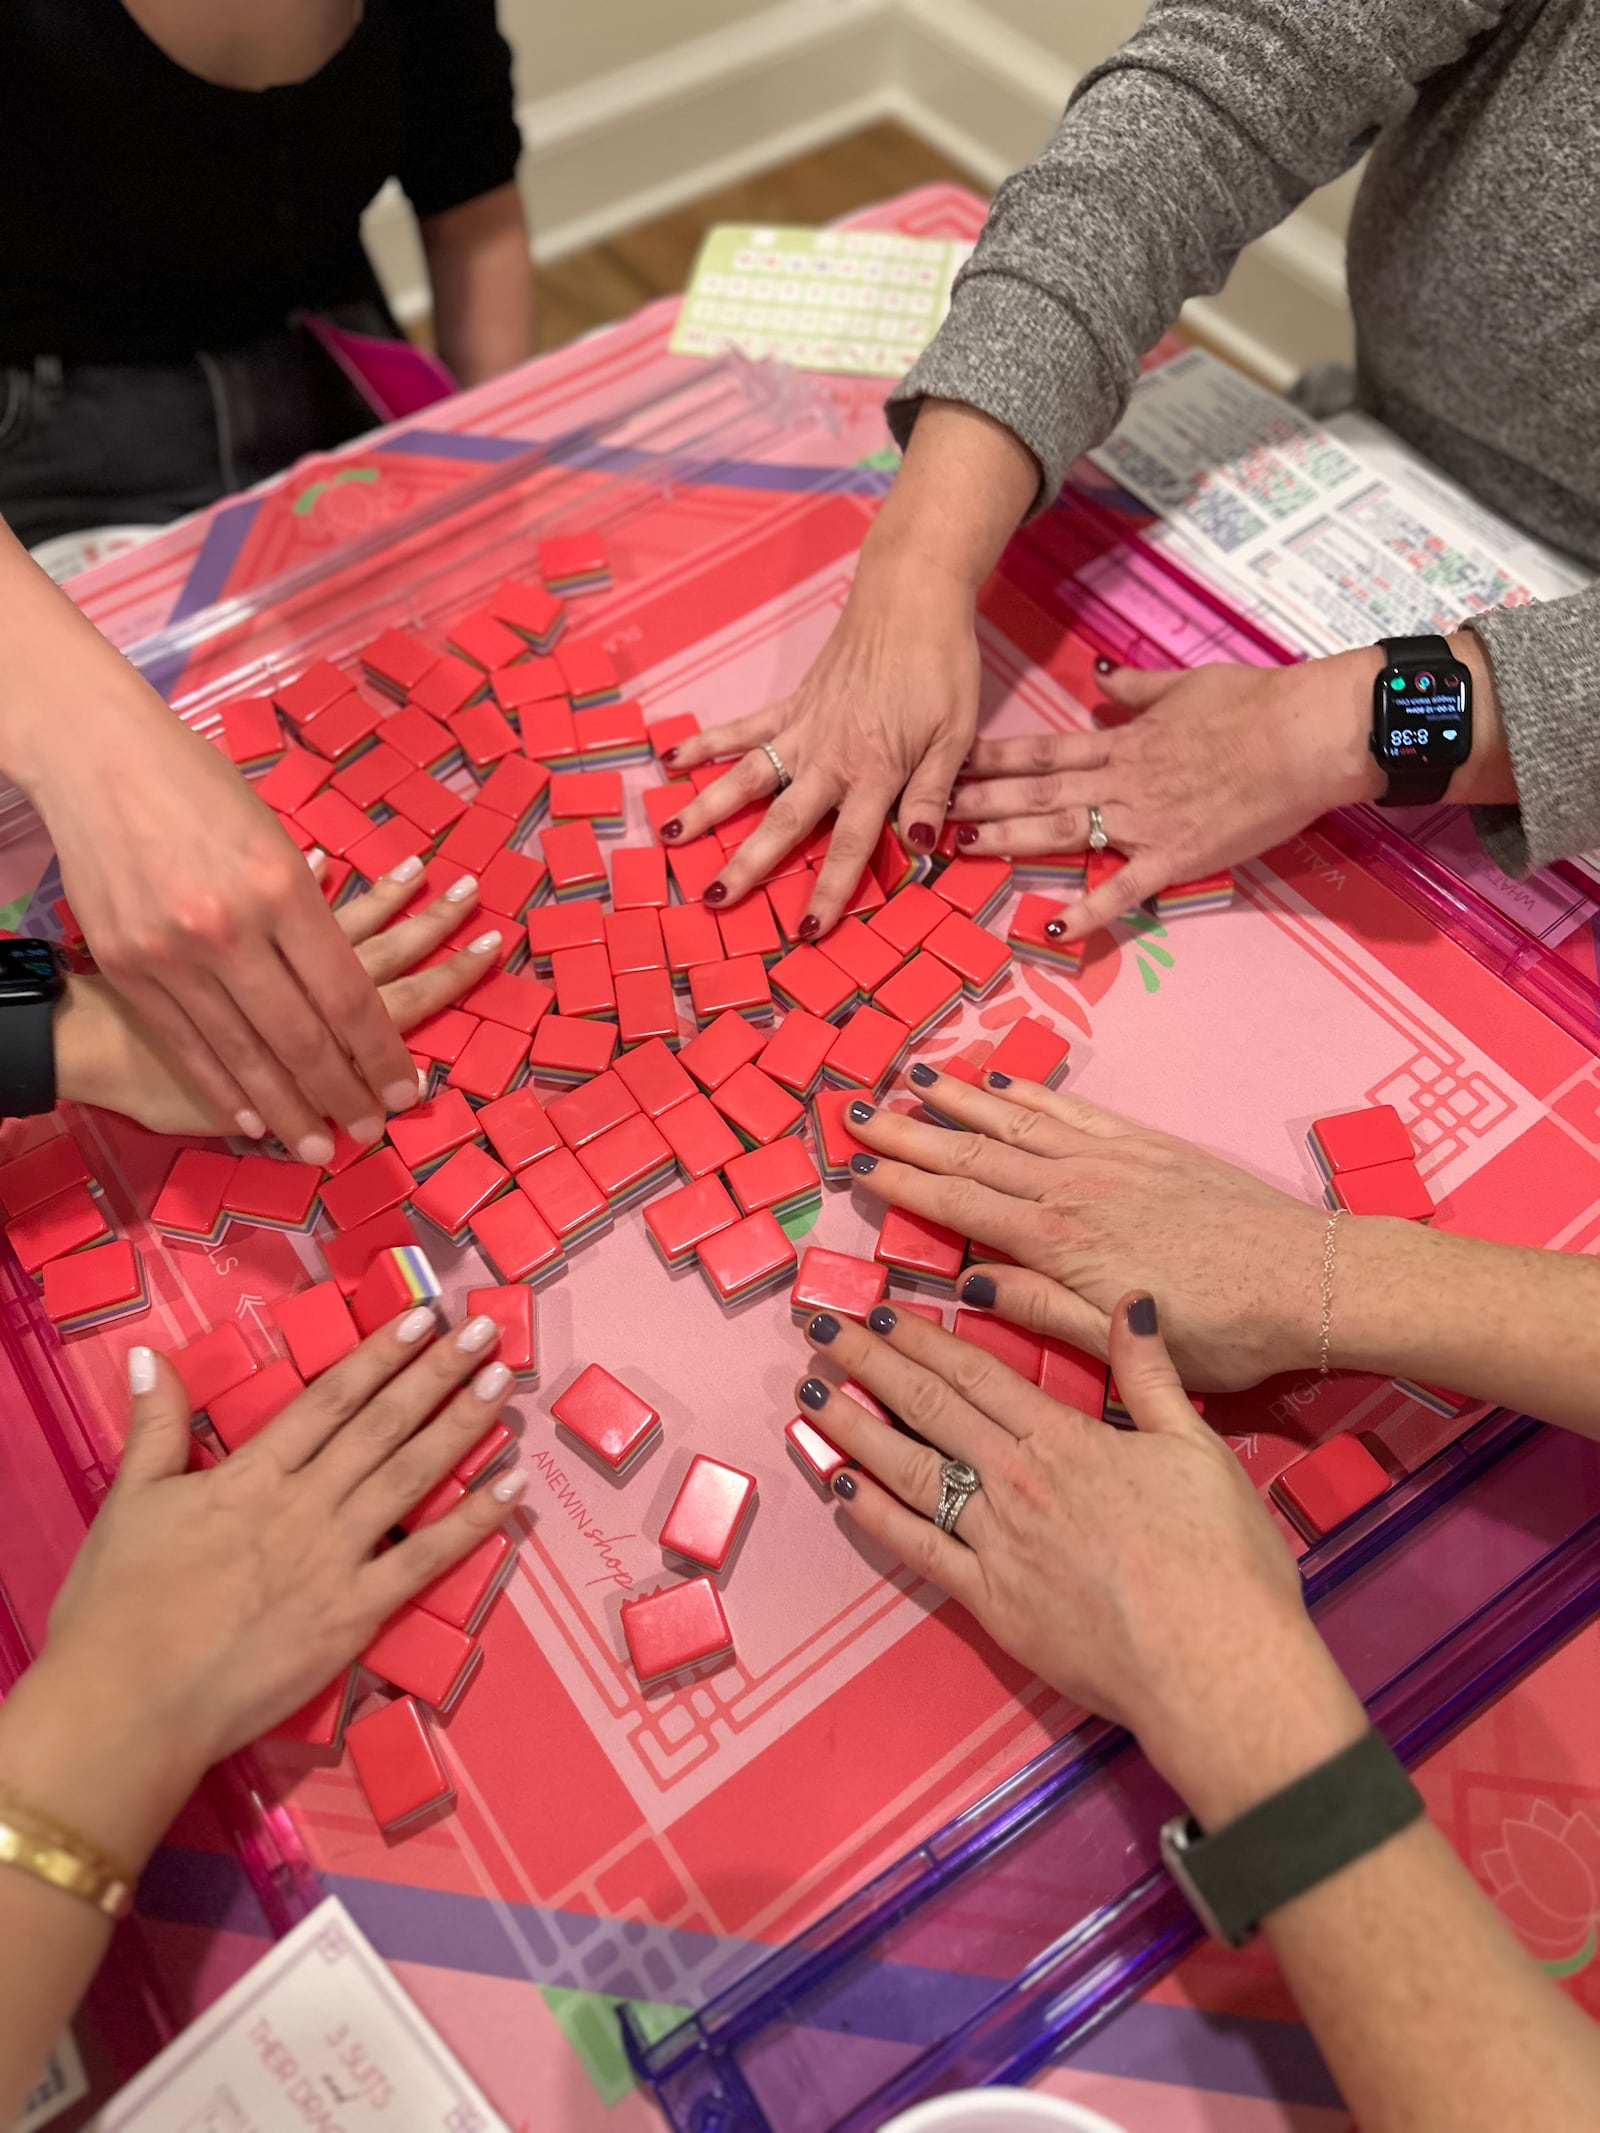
(999, 1081)
(919, 835)
(810, 926)
(860, 1113)
(1055, 927)
(669, 755)
(823, 1328)
(717, 893)
(1142, 1316)
(671, 831)
(863, 1165)
(882, 1319)
(1102, 665)
(978, 1289)
(844, 1485)
(923, 1075)
(967, 835)
(814, 1393)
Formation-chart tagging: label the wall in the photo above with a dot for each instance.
(632, 107)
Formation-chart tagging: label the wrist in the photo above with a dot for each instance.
(1485, 778)
(1258, 1726)
(1331, 729)
(74, 1749)
(89, 1059)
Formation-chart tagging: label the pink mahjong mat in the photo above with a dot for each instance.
(608, 1843)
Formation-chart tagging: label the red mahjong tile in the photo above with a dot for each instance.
(95, 1286)
(371, 1187)
(780, 1175)
(350, 1254)
(972, 886)
(515, 788)
(443, 1037)
(512, 1308)
(628, 1160)
(1014, 1346)
(920, 994)
(474, 841)
(421, 740)
(837, 1282)
(1327, 1486)
(421, 798)
(1360, 1140)
(674, 1630)
(868, 1047)
(513, 1002)
(214, 1362)
(565, 1050)
(680, 1221)
(423, 1657)
(739, 984)
(689, 934)
(865, 957)
(633, 941)
(583, 983)
(817, 1455)
(397, 1765)
(920, 1250)
(399, 1279)
(572, 853)
(614, 730)
(491, 1062)
(654, 1077)
(244, 1409)
(484, 640)
(747, 1259)
(383, 848)
(459, 1189)
(576, 559)
(978, 959)
(749, 928)
(810, 981)
(529, 609)
(462, 1596)
(836, 1144)
(646, 1006)
(29, 1180)
(511, 882)
(790, 898)
(293, 781)
(397, 661)
(694, 867)
(448, 688)
(515, 1239)
(794, 1055)
(545, 719)
(556, 926)
(372, 776)
(318, 1328)
(607, 1417)
(320, 685)
(250, 731)
(518, 1129)
(280, 1194)
(721, 1049)
(586, 796)
(342, 729)
(756, 1107)
(708, 1512)
(639, 878)
(908, 918)
(1030, 1050)
(593, 1108)
(666, 733)
(663, 802)
(423, 1137)
(701, 1140)
(562, 1193)
(588, 670)
(1385, 1189)
(1071, 1376)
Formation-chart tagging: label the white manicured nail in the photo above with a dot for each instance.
(407, 870)
(251, 1124)
(414, 1325)
(475, 1334)
(141, 1371)
(486, 943)
(315, 1148)
(459, 891)
(316, 858)
(491, 1382)
(509, 1487)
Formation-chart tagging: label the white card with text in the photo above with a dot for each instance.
(318, 2034)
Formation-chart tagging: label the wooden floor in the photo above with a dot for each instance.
(608, 281)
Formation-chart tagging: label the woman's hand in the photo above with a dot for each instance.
(205, 918)
(107, 1055)
(213, 1604)
(889, 708)
(1221, 763)
(1090, 1205)
(1136, 1572)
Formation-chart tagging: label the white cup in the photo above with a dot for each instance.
(999, 2111)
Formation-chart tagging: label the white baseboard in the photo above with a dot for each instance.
(648, 138)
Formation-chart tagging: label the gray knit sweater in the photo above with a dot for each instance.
(1474, 277)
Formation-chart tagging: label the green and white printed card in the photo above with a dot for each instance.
(863, 301)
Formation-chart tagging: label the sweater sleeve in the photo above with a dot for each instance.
(461, 137)
(1212, 122)
(1546, 661)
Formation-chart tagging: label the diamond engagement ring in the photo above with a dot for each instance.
(958, 1484)
(1098, 840)
(776, 760)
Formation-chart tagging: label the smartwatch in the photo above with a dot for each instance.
(1334, 1815)
(1421, 720)
(32, 980)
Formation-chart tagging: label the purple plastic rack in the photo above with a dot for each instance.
(1026, 1924)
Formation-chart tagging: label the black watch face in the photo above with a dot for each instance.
(1422, 717)
(29, 971)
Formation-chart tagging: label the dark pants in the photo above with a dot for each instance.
(138, 444)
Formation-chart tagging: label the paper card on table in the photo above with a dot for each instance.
(860, 301)
(319, 2032)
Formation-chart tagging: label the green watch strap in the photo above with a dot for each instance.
(1335, 1814)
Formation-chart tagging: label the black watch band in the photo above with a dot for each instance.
(27, 1058)
(1326, 1820)
(1422, 786)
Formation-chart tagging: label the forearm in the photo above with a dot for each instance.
(1497, 1321)
(70, 1755)
(962, 490)
(58, 677)
(1432, 2019)
(482, 281)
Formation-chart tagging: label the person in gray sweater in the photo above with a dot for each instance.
(1472, 266)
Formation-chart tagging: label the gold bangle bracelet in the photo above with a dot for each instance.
(48, 1857)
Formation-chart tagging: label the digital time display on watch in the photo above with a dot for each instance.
(1425, 719)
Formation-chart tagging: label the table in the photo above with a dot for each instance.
(1217, 2043)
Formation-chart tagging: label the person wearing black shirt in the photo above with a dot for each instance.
(179, 180)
